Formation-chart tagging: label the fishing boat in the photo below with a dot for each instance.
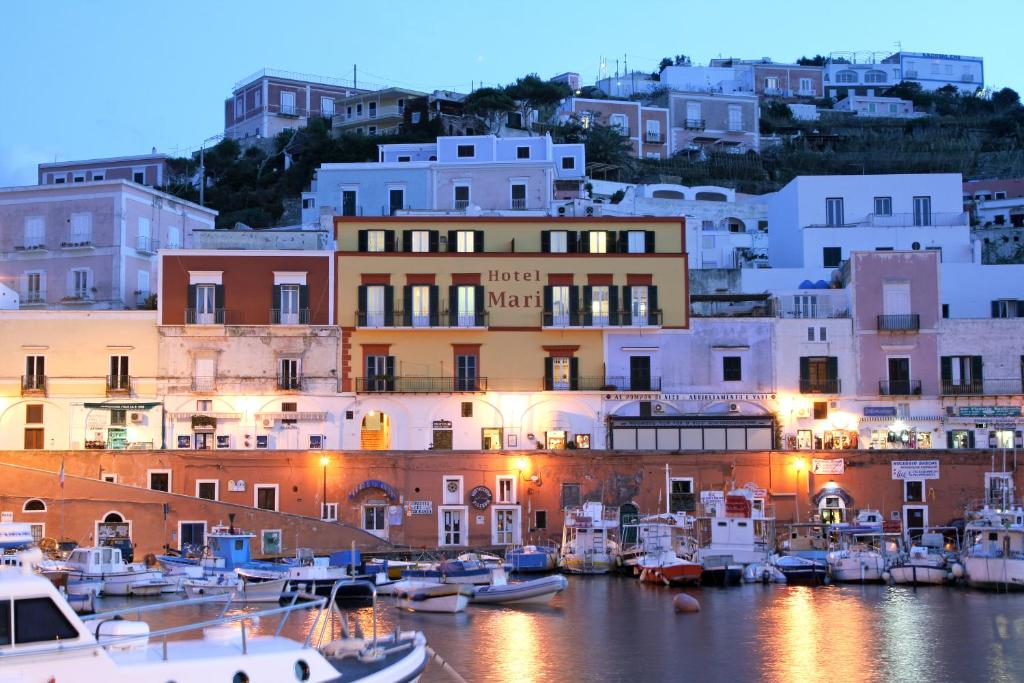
(105, 564)
(306, 573)
(933, 560)
(589, 545)
(799, 570)
(429, 596)
(734, 535)
(993, 556)
(468, 572)
(532, 558)
(665, 546)
(540, 590)
(863, 556)
(236, 590)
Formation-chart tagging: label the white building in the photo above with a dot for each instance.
(877, 106)
(933, 71)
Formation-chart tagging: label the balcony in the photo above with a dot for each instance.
(34, 248)
(621, 129)
(288, 383)
(79, 298)
(603, 384)
(899, 322)
(787, 307)
(33, 385)
(299, 317)
(694, 124)
(216, 316)
(392, 111)
(820, 386)
(420, 385)
(653, 137)
(519, 204)
(938, 219)
(78, 243)
(461, 204)
(982, 387)
(146, 245)
(33, 297)
(119, 385)
(625, 318)
(204, 384)
(445, 319)
(899, 387)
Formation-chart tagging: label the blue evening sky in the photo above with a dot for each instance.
(105, 77)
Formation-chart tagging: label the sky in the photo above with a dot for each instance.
(102, 78)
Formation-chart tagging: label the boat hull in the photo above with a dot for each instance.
(722, 576)
(537, 591)
(433, 597)
(918, 575)
(854, 570)
(531, 562)
(994, 573)
(263, 591)
(120, 583)
(576, 564)
(468, 577)
(802, 571)
(683, 573)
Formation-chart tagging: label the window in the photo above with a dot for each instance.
(80, 283)
(461, 196)
(173, 238)
(35, 229)
(561, 305)
(207, 489)
(34, 438)
(570, 495)
(636, 242)
(420, 305)
(452, 490)
(36, 620)
(922, 210)
(561, 373)
(846, 76)
(883, 206)
(371, 110)
(288, 374)
(960, 438)
(160, 480)
(35, 378)
(506, 490)
(265, 496)
(834, 212)
(34, 505)
(820, 410)
(597, 242)
(874, 76)
(1008, 308)
(599, 305)
(945, 310)
(732, 369)
(206, 304)
(329, 512)
(142, 282)
(239, 107)
(396, 199)
(374, 518)
(466, 151)
(287, 102)
(467, 409)
(822, 334)
(465, 241)
(327, 106)
(81, 228)
(620, 122)
(568, 163)
(375, 240)
(403, 158)
(465, 315)
(805, 86)
(34, 292)
(559, 241)
(348, 202)
(540, 520)
(522, 152)
(420, 241)
(771, 83)
(518, 195)
(359, 109)
(735, 117)
(466, 373)
(961, 374)
(681, 497)
(119, 375)
(139, 177)
(639, 304)
(831, 256)
(913, 491)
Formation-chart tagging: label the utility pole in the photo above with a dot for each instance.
(354, 86)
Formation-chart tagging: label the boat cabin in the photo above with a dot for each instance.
(97, 560)
(31, 617)
(234, 548)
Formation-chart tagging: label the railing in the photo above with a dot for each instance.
(694, 124)
(33, 384)
(379, 113)
(899, 322)
(79, 297)
(734, 127)
(299, 317)
(899, 387)
(37, 246)
(146, 244)
(820, 386)
(807, 92)
(982, 387)
(287, 383)
(420, 385)
(603, 384)
(119, 384)
(77, 243)
(204, 383)
(518, 204)
(651, 136)
(941, 219)
(214, 317)
(625, 318)
(461, 204)
(35, 296)
(377, 319)
(818, 311)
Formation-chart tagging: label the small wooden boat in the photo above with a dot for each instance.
(423, 596)
(147, 588)
(238, 591)
(538, 590)
(471, 573)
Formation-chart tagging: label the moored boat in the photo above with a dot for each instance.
(540, 590)
(863, 556)
(105, 564)
(532, 558)
(802, 570)
(993, 556)
(588, 539)
(428, 596)
(452, 571)
(664, 548)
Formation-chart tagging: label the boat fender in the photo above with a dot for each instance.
(887, 577)
(686, 603)
(958, 570)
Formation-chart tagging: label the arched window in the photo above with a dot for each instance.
(846, 76)
(113, 518)
(34, 505)
(874, 76)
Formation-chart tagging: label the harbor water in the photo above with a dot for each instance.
(611, 628)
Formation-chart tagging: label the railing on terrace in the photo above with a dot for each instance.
(217, 316)
(518, 204)
(420, 385)
(461, 204)
(982, 387)
(289, 383)
(694, 124)
(379, 113)
(820, 386)
(119, 384)
(653, 137)
(899, 387)
(406, 319)
(204, 383)
(899, 322)
(938, 219)
(787, 308)
(299, 317)
(146, 244)
(624, 318)
(33, 384)
(34, 296)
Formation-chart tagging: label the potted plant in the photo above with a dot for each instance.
(203, 421)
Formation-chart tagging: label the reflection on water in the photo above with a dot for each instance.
(615, 629)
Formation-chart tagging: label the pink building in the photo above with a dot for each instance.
(787, 80)
(646, 127)
(90, 244)
(144, 169)
(896, 313)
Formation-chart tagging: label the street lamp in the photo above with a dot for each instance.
(202, 167)
(799, 465)
(323, 501)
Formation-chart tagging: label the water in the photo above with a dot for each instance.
(609, 628)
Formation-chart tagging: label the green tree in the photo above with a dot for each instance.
(1007, 98)
(533, 94)
(491, 105)
(816, 60)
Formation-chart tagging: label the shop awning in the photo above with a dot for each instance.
(194, 413)
(121, 405)
(297, 416)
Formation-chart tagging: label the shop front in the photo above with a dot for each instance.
(882, 427)
(121, 425)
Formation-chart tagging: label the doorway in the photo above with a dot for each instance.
(191, 536)
(375, 433)
(915, 519)
(452, 520)
(203, 440)
(832, 510)
(442, 440)
(629, 515)
(491, 438)
(899, 376)
(639, 373)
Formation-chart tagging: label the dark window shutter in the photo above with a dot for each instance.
(362, 240)
(649, 241)
(545, 241)
(574, 305)
(995, 309)
(389, 240)
(478, 300)
(623, 245)
(218, 296)
(949, 439)
(584, 242)
(970, 438)
(805, 369)
(572, 241)
(627, 305)
(453, 240)
(946, 368)
(588, 305)
(275, 302)
(548, 304)
(407, 306)
(610, 240)
(453, 305)
(478, 240)
(613, 305)
(976, 369)
(389, 370)
(652, 305)
(389, 306)
(192, 302)
(434, 320)
(361, 305)
(1020, 308)
(574, 373)
(434, 240)
(407, 240)
(549, 371)
(832, 368)
(303, 301)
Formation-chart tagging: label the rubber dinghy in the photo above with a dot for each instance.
(432, 597)
(537, 590)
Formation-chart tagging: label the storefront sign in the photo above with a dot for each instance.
(833, 466)
(480, 497)
(442, 424)
(988, 411)
(421, 507)
(374, 484)
(879, 411)
(755, 490)
(121, 406)
(648, 395)
(915, 469)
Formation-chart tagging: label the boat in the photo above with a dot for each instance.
(588, 539)
(305, 573)
(105, 564)
(532, 558)
(807, 540)
(539, 590)
(469, 572)
(429, 596)
(933, 560)
(763, 572)
(993, 556)
(61, 645)
(800, 570)
(734, 535)
(147, 587)
(664, 547)
(863, 556)
(237, 590)
(84, 603)
(393, 568)
(720, 570)
(84, 586)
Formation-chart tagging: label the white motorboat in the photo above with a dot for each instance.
(588, 539)
(305, 573)
(928, 562)
(84, 586)
(540, 590)
(428, 596)
(226, 588)
(993, 556)
(105, 564)
(148, 588)
(863, 557)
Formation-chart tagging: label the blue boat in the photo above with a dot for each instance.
(454, 571)
(532, 558)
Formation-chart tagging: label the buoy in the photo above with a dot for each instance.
(886, 576)
(685, 603)
(958, 570)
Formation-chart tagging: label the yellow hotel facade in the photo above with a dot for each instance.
(492, 332)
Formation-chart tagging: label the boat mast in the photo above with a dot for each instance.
(668, 490)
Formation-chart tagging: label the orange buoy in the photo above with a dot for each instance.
(684, 602)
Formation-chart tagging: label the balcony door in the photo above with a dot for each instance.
(896, 299)
(119, 373)
(206, 307)
(375, 306)
(639, 373)
(289, 304)
(899, 376)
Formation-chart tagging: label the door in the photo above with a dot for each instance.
(896, 298)
(915, 519)
(290, 305)
(203, 440)
(922, 210)
(206, 313)
(396, 200)
(348, 202)
(375, 519)
(35, 373)
(505, 526)
(452, 527)
(287, 102)
(465, 373)
(289, 379)
(491, 438)
(205, 368)
(899, 376)
(442, 440)
(118, 373)
(375, 316)
(193, 535)
(639, 373)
